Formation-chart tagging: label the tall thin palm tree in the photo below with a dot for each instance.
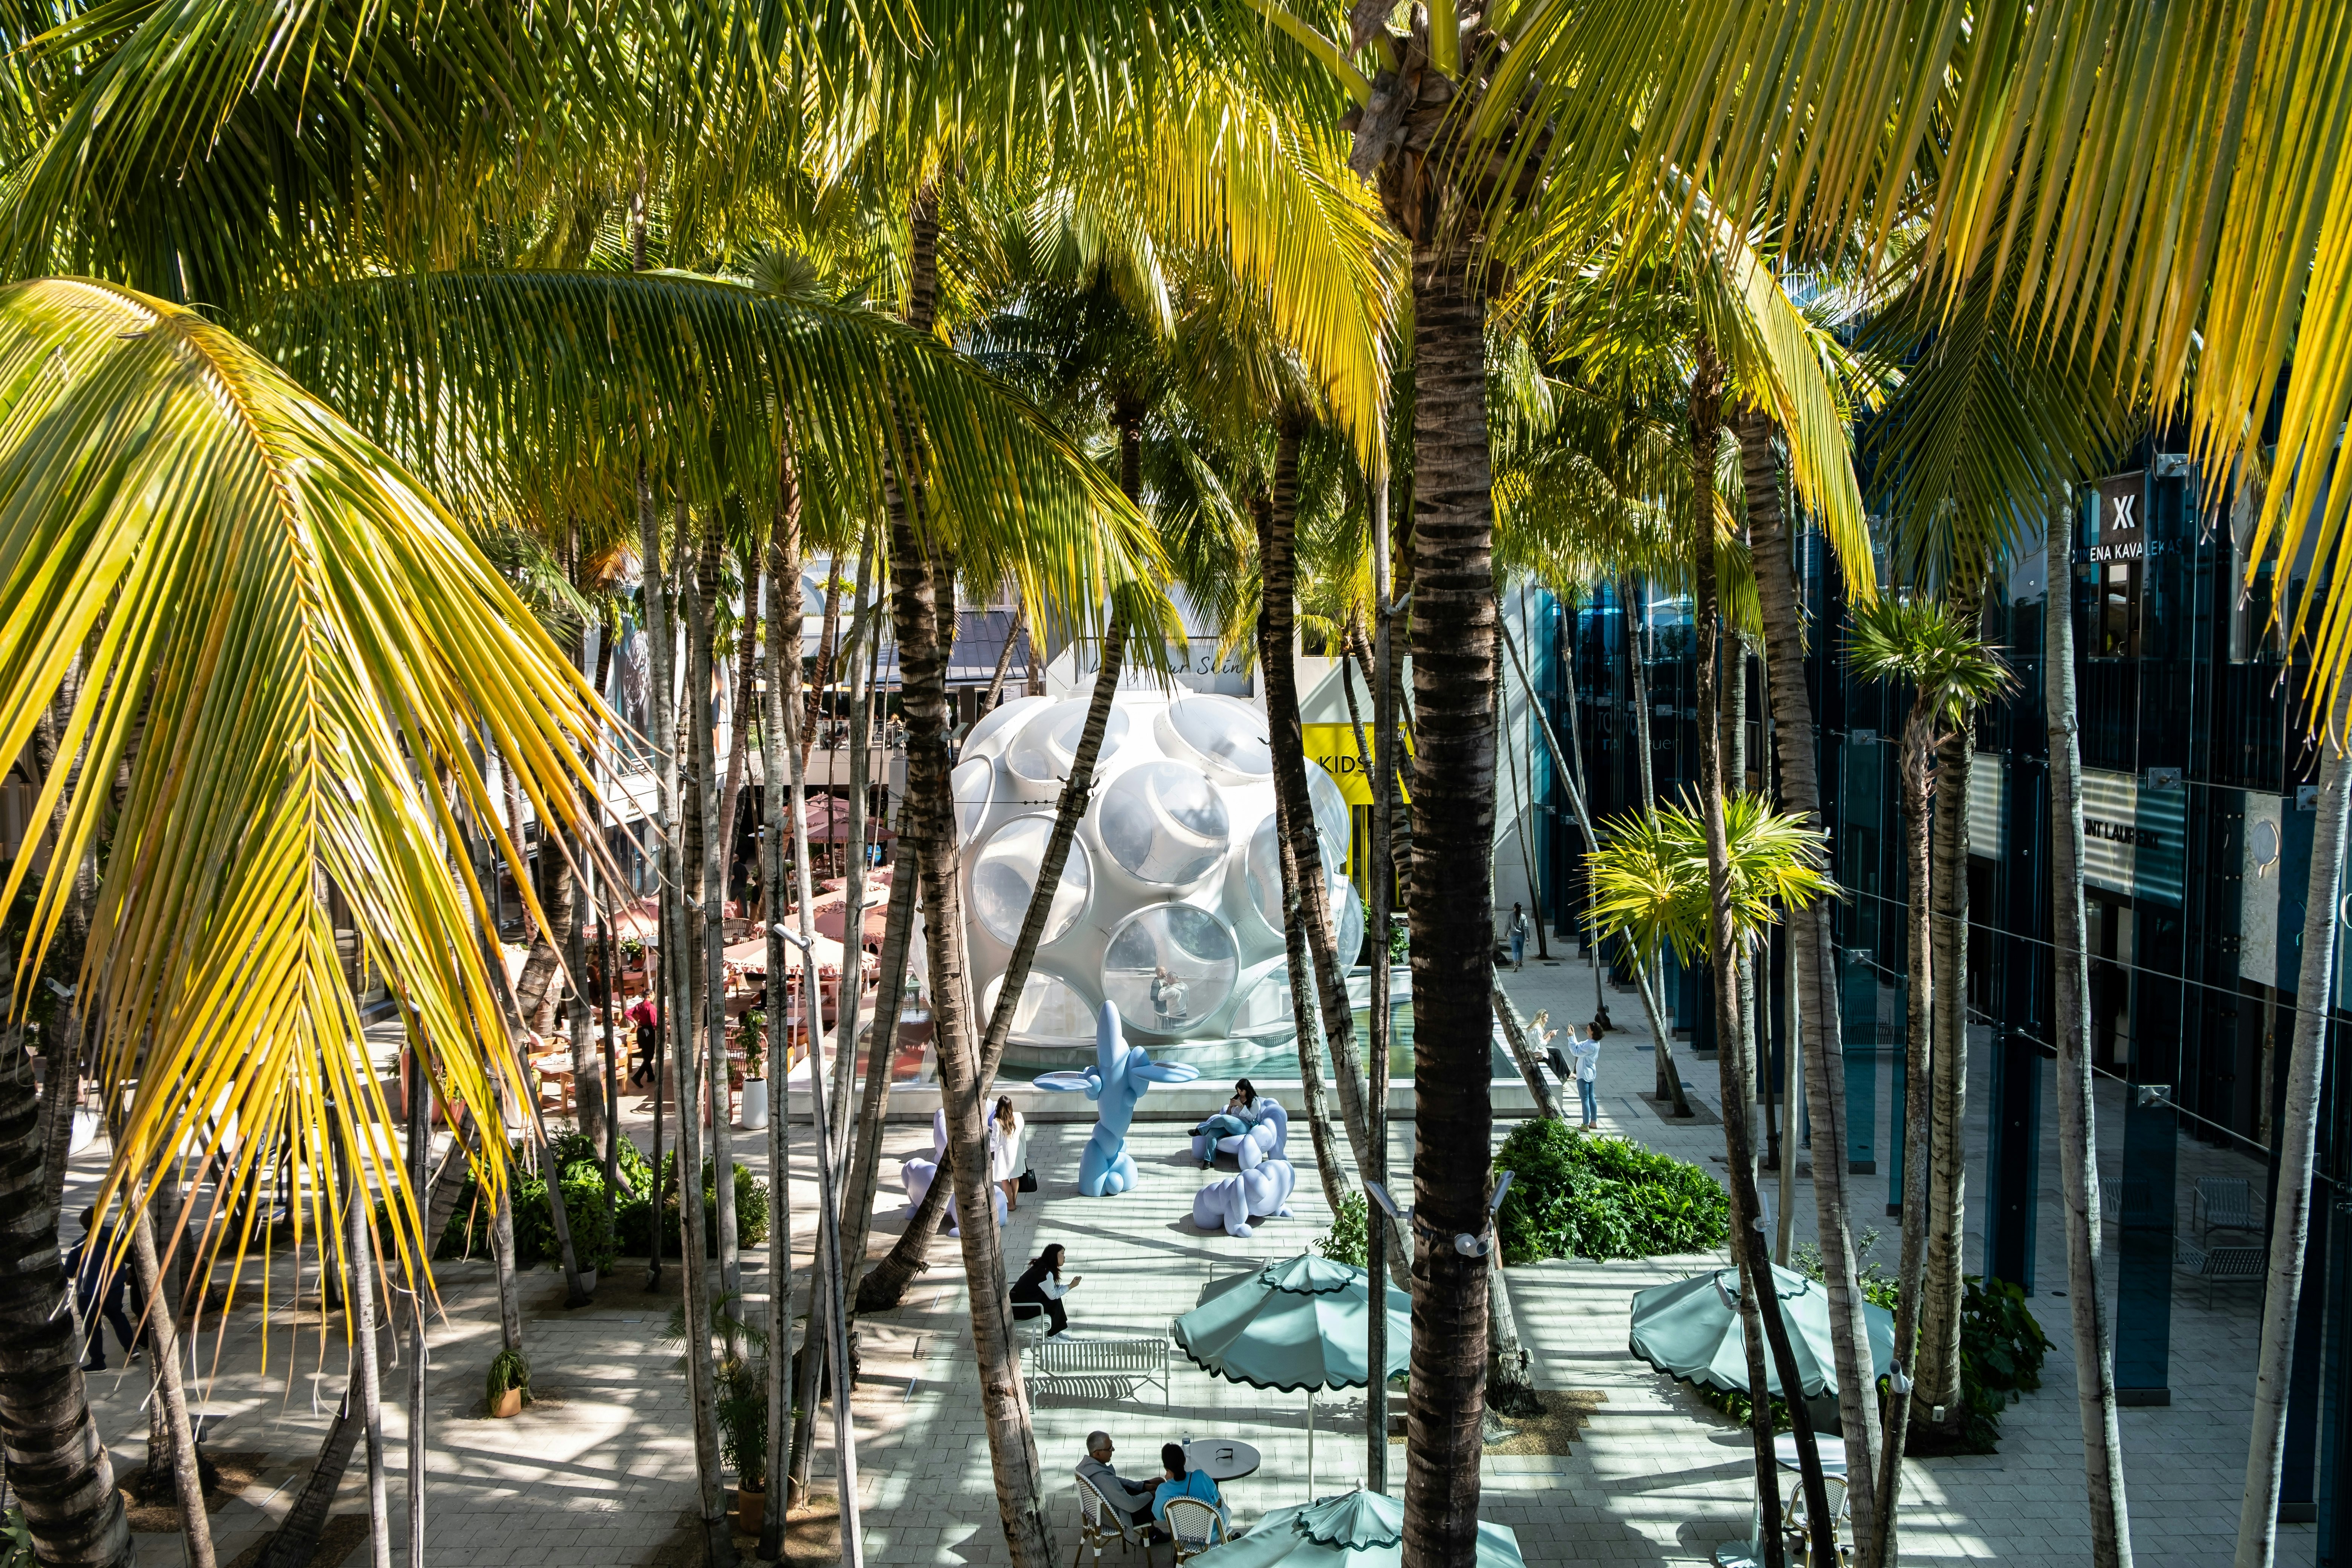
(2095, 1370)
(1951, 672)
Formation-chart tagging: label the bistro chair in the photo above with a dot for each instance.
(1100, 1522)
(1801, 1527)
(1195, 1526)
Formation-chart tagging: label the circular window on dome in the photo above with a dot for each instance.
(1266, 1007)
(1263, 869)
(1042, 752)
(1169, 966)
(1164, 822)
(1004, 876)
(996, 727)
(974, 784)
(1052, 1011)
(1224, 735)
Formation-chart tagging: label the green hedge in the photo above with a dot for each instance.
(1575, 1193)
(600, 1237)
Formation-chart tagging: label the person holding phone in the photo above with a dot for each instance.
(1042, 1286)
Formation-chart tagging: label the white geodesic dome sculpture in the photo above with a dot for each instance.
(1171, 904)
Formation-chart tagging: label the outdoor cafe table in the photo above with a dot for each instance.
(1833, 1449)
(1222, 1458)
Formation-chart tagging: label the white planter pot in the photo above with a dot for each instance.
(755, 1103)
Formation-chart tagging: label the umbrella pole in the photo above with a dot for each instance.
(1310, 1444)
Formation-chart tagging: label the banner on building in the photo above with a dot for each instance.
(2133, 839)
(2118, 531)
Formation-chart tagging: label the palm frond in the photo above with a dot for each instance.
(501, 385)
(1650, 882)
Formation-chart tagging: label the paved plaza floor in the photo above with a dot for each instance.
(600, 1470)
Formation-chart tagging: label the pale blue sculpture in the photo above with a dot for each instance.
(1261, 1191)
(1119, 1079)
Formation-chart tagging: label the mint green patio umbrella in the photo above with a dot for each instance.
(1301, 1323)
(1691, 1330)
(1353, 1530)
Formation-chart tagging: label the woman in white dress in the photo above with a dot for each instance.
(1004, 1130)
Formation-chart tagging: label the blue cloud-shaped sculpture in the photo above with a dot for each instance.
(1119, 1079)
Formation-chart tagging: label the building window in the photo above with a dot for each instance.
(2118, 632)
(2115, 542)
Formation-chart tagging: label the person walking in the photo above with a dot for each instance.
(102, 1295)
(1004, 1130)
(1040, 1286)
(1584, 1061)
(646, 1017)
(1518, 930)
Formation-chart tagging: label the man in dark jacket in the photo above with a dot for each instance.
(102, 1299)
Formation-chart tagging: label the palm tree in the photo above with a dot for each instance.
(1951, 673)
(2095, 1371)
(1668, 878)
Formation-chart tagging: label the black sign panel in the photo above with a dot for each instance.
(2118, 531)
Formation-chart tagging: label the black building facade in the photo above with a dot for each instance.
(2199, 801)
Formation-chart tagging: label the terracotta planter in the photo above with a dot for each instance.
(508, 1403)
(750, 1509)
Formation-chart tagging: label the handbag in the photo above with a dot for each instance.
(1028, 1181)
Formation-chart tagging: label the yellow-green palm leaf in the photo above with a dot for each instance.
(289, 642)
(1649, 879)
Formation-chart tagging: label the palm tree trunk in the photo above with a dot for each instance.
(661, 730)
(1307, 1031)
(829, 632)
(887, 1282)
(1918, 807)
(678, 1015)
(58, 1467)
(502, 1255)
(702, 609)
(1276, 575)
(828, 1337)
(738, 720)
(1669, 1087)
(817, 1334)
(1312, 1101)
(359, 1304)
(171, 1397)
(1380, 883)
(2095, 1371)
(1937, 1382)
(420, 1158)
(1523, 1057)
(1813, 956)
(870, 1292)
(292, 1544)
(1004, 654)
(2291, 1207)
(1451, 902)
(781, 655)
(1723, 963)
(928, 816)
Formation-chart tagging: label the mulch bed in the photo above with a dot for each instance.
(157, 1507)
(1565, 1414)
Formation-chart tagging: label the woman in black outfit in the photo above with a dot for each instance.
(1040, 1287)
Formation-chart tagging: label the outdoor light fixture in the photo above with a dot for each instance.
(1469, 1246)
(790, 937)
(1387, 1205)
(1898, 1382)
(1495, 1204)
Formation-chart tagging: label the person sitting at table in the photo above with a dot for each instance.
(1131, 1498)
(1182, 1482)
(1040, 1286)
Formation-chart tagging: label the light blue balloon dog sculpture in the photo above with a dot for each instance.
(1117, 1079)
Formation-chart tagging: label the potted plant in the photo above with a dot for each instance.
(510, 1384)
(754, 1036)
(742, 1410)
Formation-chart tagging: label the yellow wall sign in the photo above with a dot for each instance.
(1334, 746)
